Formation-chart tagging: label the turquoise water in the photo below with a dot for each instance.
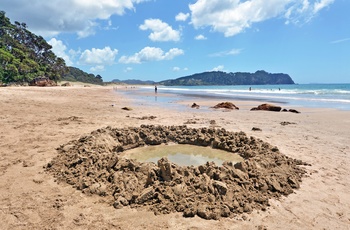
(301, 95)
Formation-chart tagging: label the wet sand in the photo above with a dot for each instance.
(35, 121)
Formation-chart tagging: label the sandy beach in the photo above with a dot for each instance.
(35, 121)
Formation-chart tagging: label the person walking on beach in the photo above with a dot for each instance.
(155, 89)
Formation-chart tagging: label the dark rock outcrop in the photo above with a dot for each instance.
(194, 106)
(293, 111)
(225, 105)
(66, 84)
(267, 107)
(42, 81)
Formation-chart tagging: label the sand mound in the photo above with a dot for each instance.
(92, 164)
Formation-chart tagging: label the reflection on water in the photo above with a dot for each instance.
(183, 155)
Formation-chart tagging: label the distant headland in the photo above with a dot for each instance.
(260, 77)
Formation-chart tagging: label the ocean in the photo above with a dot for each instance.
(336, 96)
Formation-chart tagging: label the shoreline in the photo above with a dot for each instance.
(183, 101)
(35, 121)
(288, 97)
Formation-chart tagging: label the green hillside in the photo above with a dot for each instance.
(239, 78)
(76, 74)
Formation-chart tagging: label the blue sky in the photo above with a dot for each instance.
(166, 39)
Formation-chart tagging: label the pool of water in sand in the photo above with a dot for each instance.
(183, 155)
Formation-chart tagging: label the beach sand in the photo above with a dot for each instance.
(35, 121)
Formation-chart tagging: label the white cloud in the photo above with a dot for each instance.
(319, 5)
(182, 16)
(303, 11)
(98, 56)
(98, 68)
(226, 53)
(177, 69)
(340, 40)
(232, 17)
(161, 31)
(218, 68)
(88, 30)
(127, 69)
(200, 37)
(151, 54)
(60, 50)
(74, 53)
(49, 18)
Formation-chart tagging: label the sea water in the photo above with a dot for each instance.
(335, 96)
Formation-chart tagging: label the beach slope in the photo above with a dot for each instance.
(35, 121)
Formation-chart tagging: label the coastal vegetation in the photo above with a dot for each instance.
(25, 57)
(76, 74)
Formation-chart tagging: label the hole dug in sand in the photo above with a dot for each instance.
(94, 164)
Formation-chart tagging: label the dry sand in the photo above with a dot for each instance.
(35, 121)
